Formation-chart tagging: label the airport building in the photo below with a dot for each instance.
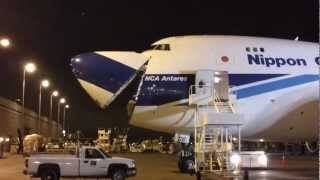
(12, 120)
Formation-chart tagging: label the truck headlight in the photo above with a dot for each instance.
(263, 160)
(131, 164)
(235, 159)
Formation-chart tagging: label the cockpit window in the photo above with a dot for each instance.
(161, 47)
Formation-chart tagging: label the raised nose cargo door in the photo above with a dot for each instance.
(105, 74)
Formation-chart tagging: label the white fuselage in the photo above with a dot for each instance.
(278, 96)
(275, 82)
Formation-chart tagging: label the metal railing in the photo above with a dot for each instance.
(208, 92)
(211, 139)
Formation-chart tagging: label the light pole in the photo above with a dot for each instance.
(44, 83)
(5, 42)
(64, 119)
(53, 94)
(61, 101)
(29, 68)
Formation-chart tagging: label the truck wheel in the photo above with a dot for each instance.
(118, 174)
(49, 174)
(180, 166)
(185, 166)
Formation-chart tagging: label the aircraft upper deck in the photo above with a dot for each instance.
(209, 38)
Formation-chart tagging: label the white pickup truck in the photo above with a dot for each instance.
(86, 162)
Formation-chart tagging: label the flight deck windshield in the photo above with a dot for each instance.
(161, 47)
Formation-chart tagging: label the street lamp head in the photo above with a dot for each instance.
(55, 93)
(67, 106)
(77, 60)
(45, 83)
(62, 101)
(5, 42)
(30, 67)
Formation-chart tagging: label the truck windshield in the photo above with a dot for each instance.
(105, 154)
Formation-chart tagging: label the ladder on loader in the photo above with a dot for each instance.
(217, 125)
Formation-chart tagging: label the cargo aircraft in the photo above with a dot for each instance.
(275, 82)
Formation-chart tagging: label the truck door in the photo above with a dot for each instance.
(93, 163)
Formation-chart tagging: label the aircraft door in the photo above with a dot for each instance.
(221, 85)
(204, 82)
(210, 82)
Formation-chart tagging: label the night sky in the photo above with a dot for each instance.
(49, 33)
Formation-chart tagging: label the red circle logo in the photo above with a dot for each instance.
(224, 59)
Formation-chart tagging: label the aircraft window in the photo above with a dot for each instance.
(153, 46)
(162, 47)
(167, 47)
(255, 49)
(247, 49)
(262, 49)
(201, 84)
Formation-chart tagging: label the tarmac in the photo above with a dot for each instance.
(156, 166)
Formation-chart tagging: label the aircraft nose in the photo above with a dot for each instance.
(103, 74)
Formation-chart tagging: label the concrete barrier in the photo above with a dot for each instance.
(11, 119)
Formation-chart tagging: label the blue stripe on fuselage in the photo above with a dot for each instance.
(159, 89)
(165, 88)
(242, 79)
(275, 85)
